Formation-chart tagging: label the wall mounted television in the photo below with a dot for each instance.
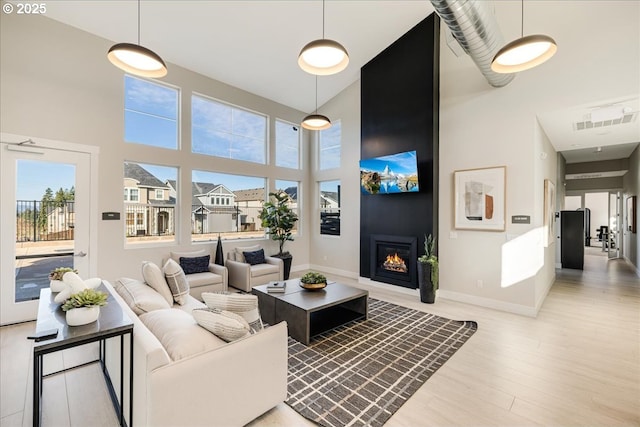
(395, 173)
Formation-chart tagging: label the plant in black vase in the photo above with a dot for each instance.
(428, 271)
(279, 220)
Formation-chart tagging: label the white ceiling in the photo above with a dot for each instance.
(253, 45)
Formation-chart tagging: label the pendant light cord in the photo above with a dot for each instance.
(322, 21)
(316, 110)
(522, 19)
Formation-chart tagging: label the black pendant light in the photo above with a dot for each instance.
(524, 53)
(137, 59)
(323, 57)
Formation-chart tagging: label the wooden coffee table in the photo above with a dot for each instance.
(309, 313)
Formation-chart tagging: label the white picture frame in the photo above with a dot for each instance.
(480, 199)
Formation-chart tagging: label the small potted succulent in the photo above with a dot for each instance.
(55, 278)
(84, 306)
(313, 281)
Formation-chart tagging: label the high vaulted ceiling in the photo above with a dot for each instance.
(254, 44)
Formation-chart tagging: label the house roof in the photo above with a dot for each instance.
(140, 174)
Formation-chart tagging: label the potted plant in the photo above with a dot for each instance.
(279, 220)
(84, 306)
(313, 281)
(55, 278)
(428, 271)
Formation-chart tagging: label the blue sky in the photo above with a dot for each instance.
(34, 177)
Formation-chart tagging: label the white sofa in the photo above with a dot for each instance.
(228, 384)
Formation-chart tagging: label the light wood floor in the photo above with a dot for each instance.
(576, 364)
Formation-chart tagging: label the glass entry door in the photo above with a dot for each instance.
(614, 226)
(44, 212)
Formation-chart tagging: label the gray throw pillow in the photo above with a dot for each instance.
(177, 281)
(245, 305)
(224, 324)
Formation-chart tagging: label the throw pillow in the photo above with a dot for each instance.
(244, 305)
(253, 258)
(139, 297)
(224, 324)
(192, 265)
(239, 252)
(177, 281)
(155, 278)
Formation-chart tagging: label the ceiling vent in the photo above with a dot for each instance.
(587, 123)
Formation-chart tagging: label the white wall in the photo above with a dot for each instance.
(598, 204)
(57, 83)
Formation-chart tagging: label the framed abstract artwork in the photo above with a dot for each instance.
(479, 199)
(631, 214)
(548, 217)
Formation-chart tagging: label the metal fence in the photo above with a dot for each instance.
(44, 221)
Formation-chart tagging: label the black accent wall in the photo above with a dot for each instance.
(400, 107)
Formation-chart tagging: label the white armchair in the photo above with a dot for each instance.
(245, 276)
(216, 279)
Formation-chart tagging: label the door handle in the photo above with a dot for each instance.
(80, 254)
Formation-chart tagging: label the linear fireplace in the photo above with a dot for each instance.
(393, 260)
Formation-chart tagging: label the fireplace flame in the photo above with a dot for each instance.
(395, 263)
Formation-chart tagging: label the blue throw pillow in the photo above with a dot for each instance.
(192, 265)
(255, 257)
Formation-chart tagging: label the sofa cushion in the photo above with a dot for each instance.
(244, 305)
(198, 264)
(240, 252)
(255, 257)
(224, 324)
(140, 297)
(179, 333)
(176, 280)
(263, 270)
(154, 277)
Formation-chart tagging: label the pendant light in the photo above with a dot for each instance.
(137, 59)
(323, 57)
(316, 121)
(523, 53)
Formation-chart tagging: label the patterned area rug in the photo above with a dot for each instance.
(361, 373)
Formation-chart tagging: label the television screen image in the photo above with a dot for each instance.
(395, 173)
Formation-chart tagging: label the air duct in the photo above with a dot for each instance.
(473, 25)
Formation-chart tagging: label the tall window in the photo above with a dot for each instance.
(150, 113)
(287, 145)
(221, 130)
(150, 216)
(226, 204)
(291, 188)
(330, 143)
(330, 208)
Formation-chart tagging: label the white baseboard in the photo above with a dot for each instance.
(488, 303)
(637, 269)
(543, 296)
(558, 265)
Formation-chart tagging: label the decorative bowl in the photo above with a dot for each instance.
(313, 286)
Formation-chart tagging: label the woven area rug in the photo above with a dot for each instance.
(361, 373)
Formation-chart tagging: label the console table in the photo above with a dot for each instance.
(113, 322)
(309, 313)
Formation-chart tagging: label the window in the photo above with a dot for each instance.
(235, 219)
(150, 113)
(330, 208)
(150, 216)
(287, 145)
(291, 188)
(131, 194)
(221, 130)
(329, 146)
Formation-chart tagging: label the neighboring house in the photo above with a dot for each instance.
(149, 206)
(213, 207)
(60, 221)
